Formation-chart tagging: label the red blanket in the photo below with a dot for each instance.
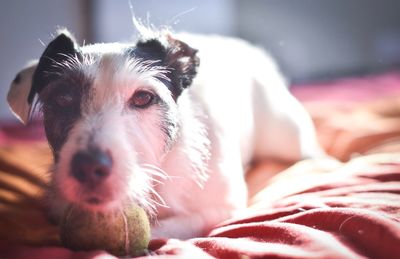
(315, 209)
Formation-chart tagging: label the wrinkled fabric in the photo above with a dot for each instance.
(346, 206)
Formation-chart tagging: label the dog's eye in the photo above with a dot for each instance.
(64, 99)
(142, 99)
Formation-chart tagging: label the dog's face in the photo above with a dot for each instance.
(110, 114)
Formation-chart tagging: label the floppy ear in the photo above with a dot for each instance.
(62, 48)
(183, 61)
(32, 79)
(178, 57)
(20, 88)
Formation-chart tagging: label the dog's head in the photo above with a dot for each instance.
(110, 113)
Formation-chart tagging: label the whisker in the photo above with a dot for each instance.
(160, 201)
(155, 170)
(151, 179)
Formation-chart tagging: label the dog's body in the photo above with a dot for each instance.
(160, 130)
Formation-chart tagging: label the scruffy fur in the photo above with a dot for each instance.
(220, 104)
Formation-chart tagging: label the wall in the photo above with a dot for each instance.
(314, 39)
(24, 26)
(311, 39)
(112, 20)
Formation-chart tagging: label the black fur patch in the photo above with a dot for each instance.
(58, 120)
(62, 47)
(178, 57)
(50, 81)
(17, 79)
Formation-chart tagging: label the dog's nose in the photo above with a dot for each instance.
(91, 167)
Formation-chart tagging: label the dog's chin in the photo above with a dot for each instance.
(98, 204)
(93, 202)
(99, 199)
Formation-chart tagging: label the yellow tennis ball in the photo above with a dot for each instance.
(121, 233)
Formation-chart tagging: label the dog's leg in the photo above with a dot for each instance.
(182, 227)
(189, 225)
(208, 210)
(193, 210)
(284, 130)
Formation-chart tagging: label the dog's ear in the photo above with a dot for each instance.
(17, 97)
(33, 78)
(183, 61)
(178, 57)
(62, 48)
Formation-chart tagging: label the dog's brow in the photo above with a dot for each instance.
(147, 68)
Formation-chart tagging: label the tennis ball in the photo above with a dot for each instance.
(121, 233)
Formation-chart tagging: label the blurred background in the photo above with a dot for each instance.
(312, 40)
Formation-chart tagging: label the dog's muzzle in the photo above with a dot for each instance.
(91, 167)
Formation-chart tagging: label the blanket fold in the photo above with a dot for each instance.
(347, 206)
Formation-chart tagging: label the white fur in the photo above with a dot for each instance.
(134, 138)
(250, 114)
(238, 109)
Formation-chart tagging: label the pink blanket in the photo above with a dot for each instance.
(322, 209)
(319, 208)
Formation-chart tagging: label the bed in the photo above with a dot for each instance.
(344, 206)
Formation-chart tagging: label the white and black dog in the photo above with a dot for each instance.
(169, 123)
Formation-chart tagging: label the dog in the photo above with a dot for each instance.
(170, 123)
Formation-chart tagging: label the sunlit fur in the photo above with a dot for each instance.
(237, 110)
(135, 137)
